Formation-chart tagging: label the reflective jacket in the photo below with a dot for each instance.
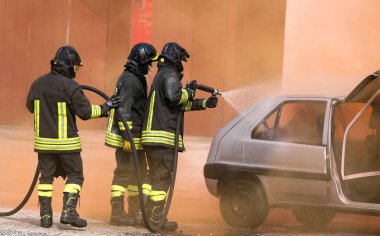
(55, 100)
(166, 100)
(132, 89)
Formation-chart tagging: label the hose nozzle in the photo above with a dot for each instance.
(208, 89)
(216, 92)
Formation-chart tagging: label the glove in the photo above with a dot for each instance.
(127, 146)
(192, 85)
(191, 94)
(212, 102)
(113, 102)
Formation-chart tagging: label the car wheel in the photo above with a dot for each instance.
(243, 204)
(313, 217)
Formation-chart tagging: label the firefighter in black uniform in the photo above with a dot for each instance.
(132, 89)
(166, 100)
(55, 99)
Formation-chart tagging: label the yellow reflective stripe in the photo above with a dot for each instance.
(187, 106)
(72, 188)
(157, 195)
(204, 103)
(117, 194)
(161, 140)
(57, 147)
(121, 125)
(73, 140)
(45, 194)
(133, 190)
(160, 133)
(114, 143)
(184, 97)
(62, 120)
(45, 190)
(45, 187)
(117, 190)
(117, 140)
(37, 118)
(57, 144)
(157, 136)
(147, 188)
(110, 120)
(96, 111)
(151, 107)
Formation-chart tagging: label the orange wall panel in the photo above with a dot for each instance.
(232, 44)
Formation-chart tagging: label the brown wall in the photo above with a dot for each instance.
(327, 47)
(232, 44)
(32, 31)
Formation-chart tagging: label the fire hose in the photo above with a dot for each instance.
(137, 167)
(128, 136)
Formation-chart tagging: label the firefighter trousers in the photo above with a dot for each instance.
(160, 161)
(124, 173)
(67, 165)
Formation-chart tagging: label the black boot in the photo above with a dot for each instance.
(139, 216)
(133, 206)
(156, 212)
(46, 212)
(118, 215)
(69, 212)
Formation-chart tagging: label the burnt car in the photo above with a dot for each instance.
(314, 155)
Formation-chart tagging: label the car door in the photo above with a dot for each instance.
(288, 147)
(360, 152)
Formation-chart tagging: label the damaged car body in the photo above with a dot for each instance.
(314, 155)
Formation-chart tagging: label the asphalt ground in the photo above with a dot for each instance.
(193, 207)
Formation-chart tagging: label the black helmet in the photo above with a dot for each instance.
(174, 53)
(67, 58)
(142, 54)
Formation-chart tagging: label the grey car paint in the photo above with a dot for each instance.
(292, 174)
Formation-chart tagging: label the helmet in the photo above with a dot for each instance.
(68, 59)
(174, 53)
(142, 54)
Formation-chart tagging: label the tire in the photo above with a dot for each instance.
(313, 217)
(243, 204)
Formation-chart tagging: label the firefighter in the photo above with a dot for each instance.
(55, 99)
(132, 89)
(167, 98)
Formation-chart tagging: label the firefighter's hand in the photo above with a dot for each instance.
(212, 102)
(191, 94)
(127, 146)
(113, 102)
(192, 85)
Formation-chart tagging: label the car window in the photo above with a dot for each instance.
(265, 130)
(297, 122)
